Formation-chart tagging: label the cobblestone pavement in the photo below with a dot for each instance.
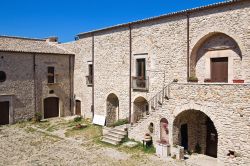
(28, 145)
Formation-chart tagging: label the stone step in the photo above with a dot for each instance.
(118, 131)
(114, 135)
(110, 141)
(110, 137)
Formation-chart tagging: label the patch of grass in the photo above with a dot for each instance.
(42, 124)
(120, 122)
(30, 130)
(90, 132)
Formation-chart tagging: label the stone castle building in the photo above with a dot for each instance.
(187, 74)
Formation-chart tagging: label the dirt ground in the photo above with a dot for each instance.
(56, 142)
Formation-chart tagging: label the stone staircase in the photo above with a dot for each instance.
(115, 135)
(156, 104)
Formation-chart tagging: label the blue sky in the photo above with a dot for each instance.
(66, 18)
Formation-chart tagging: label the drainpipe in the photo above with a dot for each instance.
(130, 67)
(34, 77)
(70, 88)
(188, 45)
(93, 73)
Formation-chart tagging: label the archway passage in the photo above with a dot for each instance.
(4, 113)
(216, 58)
(51, 107)
(78, 107)
(140, 108)
(196, 132)
(112, 109)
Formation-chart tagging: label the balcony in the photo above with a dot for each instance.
(89, 80)
(140, 83)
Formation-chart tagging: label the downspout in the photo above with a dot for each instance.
(93, 73)
(34, 77)
(70, 88)
(130, 68)
(188, 75)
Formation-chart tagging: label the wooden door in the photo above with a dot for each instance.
(219, 69)
(4, 113)
(78, 107)
(51, 107)
(212, 139)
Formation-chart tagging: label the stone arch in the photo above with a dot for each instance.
(140, 108)
(215, 45)
(112, 113)
(164, 131)
(194, 130)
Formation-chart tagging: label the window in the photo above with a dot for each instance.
(89, 77)
(141, 68)
(51, 75)
(2, 76)
(90, 70)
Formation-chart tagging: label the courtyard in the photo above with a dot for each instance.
(58, 142)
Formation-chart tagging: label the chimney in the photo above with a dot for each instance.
(52, 39)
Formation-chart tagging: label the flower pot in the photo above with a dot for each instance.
(238, 81)
(207, 80)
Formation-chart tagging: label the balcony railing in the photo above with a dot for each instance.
(140, 83)
(89, 80)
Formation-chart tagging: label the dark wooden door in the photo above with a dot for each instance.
(212, 139)
(219, 69)
(184, 136)
(51, 107)
(4, 113)
(78, 107)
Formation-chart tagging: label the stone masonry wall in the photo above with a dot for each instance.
(111, 65)
(62, 86)
(19, 83)
(83, 55)
(164, 44)
(227, 105)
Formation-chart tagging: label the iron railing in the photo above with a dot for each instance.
(89, 80)
(140, 83)
(157, 100)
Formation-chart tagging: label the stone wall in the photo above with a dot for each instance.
(227, 105)
(62, 86)
(27, 89)
(163, 42)
(111, 67)
(19, 84)
(83, 55)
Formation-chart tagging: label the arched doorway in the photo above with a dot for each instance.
(196, 132)
(140, 108)
(216, 58)
(51, 107)
(164, 137)
(78, 107)
(112, 109)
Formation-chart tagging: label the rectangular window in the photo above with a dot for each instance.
(51, 75)
(141, 67)
(90, 70)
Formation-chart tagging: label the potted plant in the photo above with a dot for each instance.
(207, 80)
(192, 79)
(175, 80)
(239, 81)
